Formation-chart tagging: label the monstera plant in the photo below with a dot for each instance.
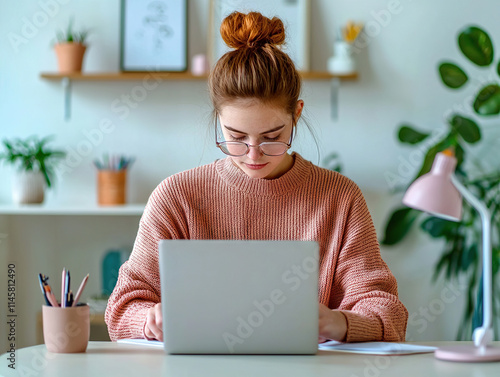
(463, 134)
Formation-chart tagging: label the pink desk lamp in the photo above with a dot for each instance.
(440, 194)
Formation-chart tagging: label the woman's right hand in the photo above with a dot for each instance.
(154, 323)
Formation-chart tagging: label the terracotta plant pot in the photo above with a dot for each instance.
(70, 56)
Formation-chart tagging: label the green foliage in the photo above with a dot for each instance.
(399, 224)
(488, 100)
(409, 135)
(71, 35)
(466, 128)
(460, 256)
(333, 162)
(32, 154)
(476, 45)
(452, 75)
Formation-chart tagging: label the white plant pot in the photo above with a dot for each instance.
(28, 187)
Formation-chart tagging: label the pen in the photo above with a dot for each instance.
(63, 287)
(40, 279)
(80, 290)
(66, 289)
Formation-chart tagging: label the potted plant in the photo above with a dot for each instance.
(461, 240)
(35, 163)
(70, 49)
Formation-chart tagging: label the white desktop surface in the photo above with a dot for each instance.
(113, 359)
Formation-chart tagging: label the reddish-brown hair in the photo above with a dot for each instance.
(256, 68)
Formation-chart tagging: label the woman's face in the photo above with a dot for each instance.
(253, 122)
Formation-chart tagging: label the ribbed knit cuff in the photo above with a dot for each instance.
(131, 325)
(138, 322)
(361, 328)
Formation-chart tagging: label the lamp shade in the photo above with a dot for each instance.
(434, 192)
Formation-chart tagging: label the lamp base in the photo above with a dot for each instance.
(468, 354)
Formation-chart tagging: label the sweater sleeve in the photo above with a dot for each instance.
(138, 285)
(364, 288)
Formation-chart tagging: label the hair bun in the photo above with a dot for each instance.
(239, 30)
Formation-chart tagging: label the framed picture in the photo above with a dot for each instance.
(153, 35)
(293, 13)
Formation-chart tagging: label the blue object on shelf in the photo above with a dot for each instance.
(111, 264)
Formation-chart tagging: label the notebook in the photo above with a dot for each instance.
(239, 297)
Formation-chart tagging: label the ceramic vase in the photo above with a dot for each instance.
(28, 187)
(342, 61)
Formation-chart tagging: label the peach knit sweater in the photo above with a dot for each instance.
(219, 201)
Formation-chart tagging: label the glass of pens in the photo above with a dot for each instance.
(66, 325)
(112, 179)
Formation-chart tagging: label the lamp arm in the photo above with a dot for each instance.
(482, 335)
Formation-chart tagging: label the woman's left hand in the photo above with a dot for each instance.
(332, 324)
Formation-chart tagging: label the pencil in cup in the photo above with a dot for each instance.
(111, 187)
(66, 330)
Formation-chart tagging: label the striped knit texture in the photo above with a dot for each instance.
(219, 201)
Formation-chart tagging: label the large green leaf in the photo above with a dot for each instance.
(498, 68)
(476, 45)
(452, 75)
(469, 257)
(399, 224)
(488, 100)
(437, 227)
(466, 128)
(410, 135)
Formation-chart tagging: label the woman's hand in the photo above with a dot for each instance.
(332, 324)
(154, 323)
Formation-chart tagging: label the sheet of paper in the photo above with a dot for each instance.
(373, 348)
(376, 348)
(142, 342)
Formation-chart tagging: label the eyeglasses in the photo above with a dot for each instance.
(239, 148)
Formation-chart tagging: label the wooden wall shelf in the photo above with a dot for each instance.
(72, 210)
(67, 78)
(124, 76)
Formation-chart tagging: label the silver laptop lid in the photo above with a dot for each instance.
(243, 297)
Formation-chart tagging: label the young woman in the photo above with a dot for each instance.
(260, 191)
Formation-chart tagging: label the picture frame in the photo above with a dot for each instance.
(293, 13)
(153, 35)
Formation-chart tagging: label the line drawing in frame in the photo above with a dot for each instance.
(153, 35)
(293, 13)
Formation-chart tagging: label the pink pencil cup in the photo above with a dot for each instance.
(66, 330)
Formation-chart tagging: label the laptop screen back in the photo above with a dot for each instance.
(242, 297)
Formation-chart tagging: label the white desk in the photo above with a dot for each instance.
(112, 359)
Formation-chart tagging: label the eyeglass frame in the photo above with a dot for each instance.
(218, 144)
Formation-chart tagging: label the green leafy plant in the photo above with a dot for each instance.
(32, 154)
(333, 162)
(72, 36)
(459, 258)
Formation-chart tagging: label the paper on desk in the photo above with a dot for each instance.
(376, 348)
(373, 348)
(142, 342)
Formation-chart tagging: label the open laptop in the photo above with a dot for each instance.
(239, 297)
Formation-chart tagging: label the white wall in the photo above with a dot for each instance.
(168, 131)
